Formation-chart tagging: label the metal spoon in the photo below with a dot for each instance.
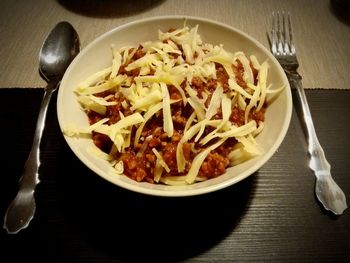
(59, 49)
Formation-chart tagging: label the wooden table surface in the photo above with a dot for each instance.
(322, 32)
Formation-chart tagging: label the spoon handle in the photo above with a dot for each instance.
(21, 210)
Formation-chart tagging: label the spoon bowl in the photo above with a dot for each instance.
(59, 49)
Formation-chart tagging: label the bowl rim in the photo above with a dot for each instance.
(194, 191)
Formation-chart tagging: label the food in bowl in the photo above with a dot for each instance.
(175, 110)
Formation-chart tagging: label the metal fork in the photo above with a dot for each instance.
(282, 46)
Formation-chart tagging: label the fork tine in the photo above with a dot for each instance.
(286, 49)
(273, 34)
(279, 35)
(282, 34)
(282, 43)
(291, 41)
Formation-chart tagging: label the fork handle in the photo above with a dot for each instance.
(318, 161)
(327, 191)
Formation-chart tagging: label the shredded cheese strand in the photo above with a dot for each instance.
(198, 160)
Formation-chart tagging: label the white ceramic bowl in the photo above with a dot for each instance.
(97, 55)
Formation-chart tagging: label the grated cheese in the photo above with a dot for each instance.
(160, 160)
(168, 122)
(198, 160)
(214, 103)
(175, 60)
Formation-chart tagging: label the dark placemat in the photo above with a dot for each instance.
(270, 216)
